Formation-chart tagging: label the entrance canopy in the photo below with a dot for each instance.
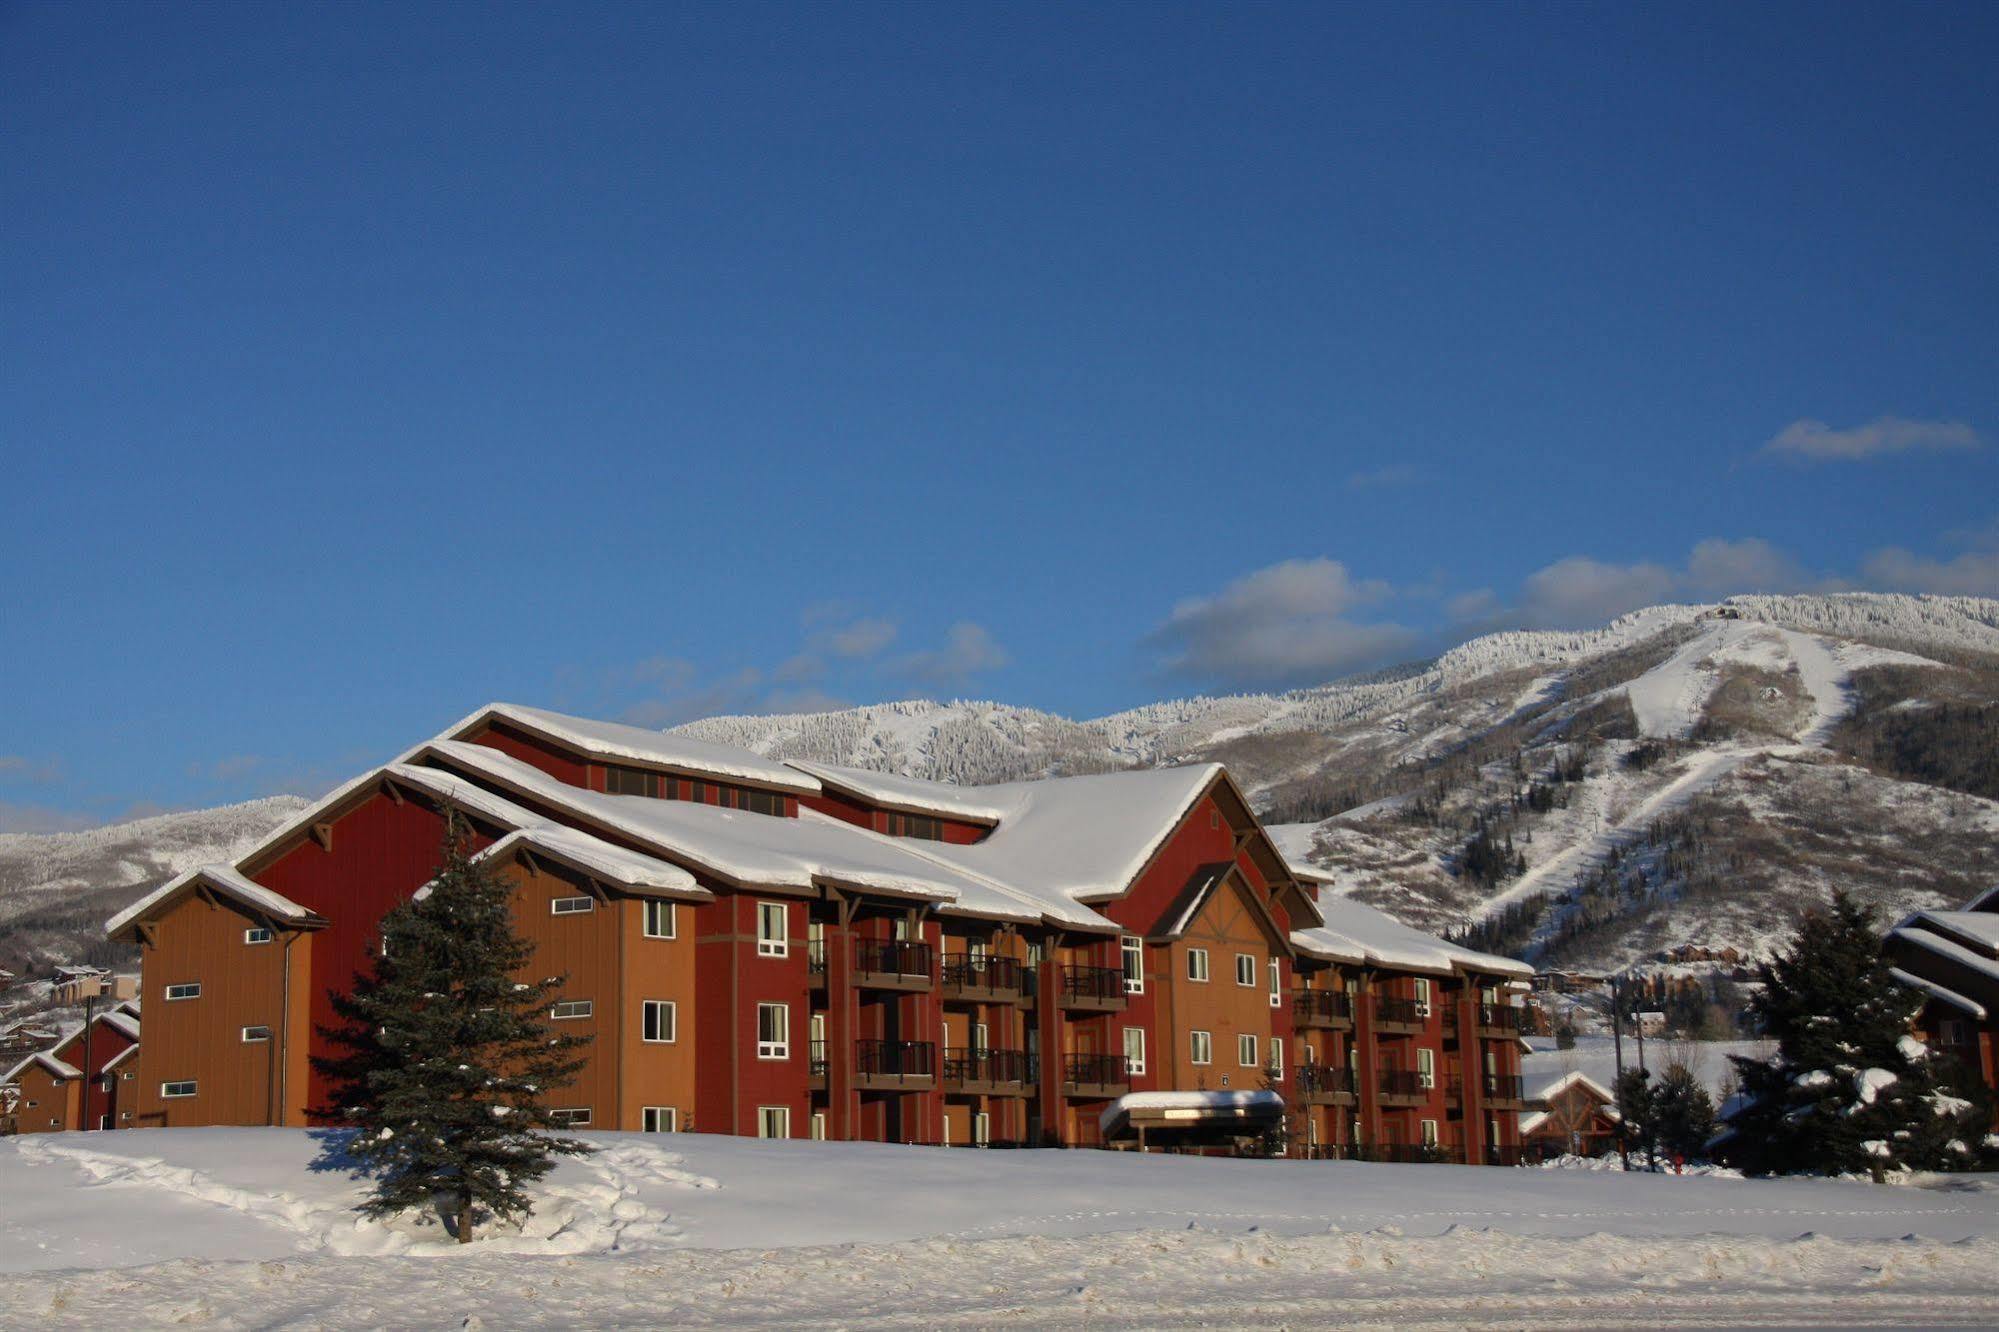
(1190, 1118)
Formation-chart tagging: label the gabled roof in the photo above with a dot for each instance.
(1202, 885)
(1357, 933)
(1941, 994)
(221, 879)
(1552, 1087)
(641, 874)
(635, 744)
(127, 1053)
(55, 1066)
(1974, 929)
(121, 1022)
(1930, 941)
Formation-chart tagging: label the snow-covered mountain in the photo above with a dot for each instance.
(1683, 776)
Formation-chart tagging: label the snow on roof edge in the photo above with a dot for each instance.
(222, 877)
(1942, 994)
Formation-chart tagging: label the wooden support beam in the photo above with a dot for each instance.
(322, 833)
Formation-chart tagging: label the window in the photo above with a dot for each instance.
(1276, 1064)
(251, 1035)
(1429, 1133)
(1200, 1047)
(1426, 1068)
(1134, 1049)
(1276, 984)
(1245, 969)
(1245, 1051)
(173, 1091)
(570, 1009)
(630, 781)
(774, 1035)
(661, 920)
(982, 1128)
(659, 1119)
(1133, 952)
(571, 906)
(773, 1121)
(1422, 997)
(763, 802)
(659, 1021)
(981, 1037)
(772, 941)
(184, 990)
(818, 1126)
(256, 934)
(698, 792)
(571, 1116)
(916, 825)
(1197, 964)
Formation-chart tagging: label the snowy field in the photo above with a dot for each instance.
(236, 1228)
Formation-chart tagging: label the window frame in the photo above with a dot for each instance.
(767, 1115)
(1276, 984)
(581, 1010)
(1246, 1044)
(1423, 996)
(1201, 1048)
(779, 1048)
(572, 1116)
(1245, 970)
(1428, 1133)
(655, 907)
(1198, 970)
(257, 934)
(1275, 1064)
(670, 1009)
(778, 945)
(567, 906)
(167, 1092)
(1131, 957)
(651, 1116)
(1426, 1067)
(1134, 1064)
(264, 1039)
(192, 988)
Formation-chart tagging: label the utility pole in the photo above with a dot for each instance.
(1617, 1047)
(1645, 1076)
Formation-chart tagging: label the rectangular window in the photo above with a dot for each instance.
(818, 1126)
(185, 990)
(175, 1091)
(659, 1021)
(257, 934)
(1245, 1051)
(251, 1035)
(774, 1032)
(630, 781)
(1200, 1047)
(982, 1128)
(1422, 997)
(571, 1009)
(1426, 1068)
(661, 920)
(1245, 969)
(698, 792)
(1276, 984)
(763, 802)
(1429, 1133)
(660, 1119)
(1134, 1050)
(571, 1116)
(772, 940)
(1276, 1065)
(571, 906)
(1197, 964)
(1133, 952)
(773, 1121)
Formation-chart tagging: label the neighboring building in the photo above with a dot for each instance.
(1952, 958)
(1572, 1115)
(47, 1095)
(77, 1082)
(799, 950)
(71, 986)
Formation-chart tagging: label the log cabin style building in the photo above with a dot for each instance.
(793, 949)
(1951, 958)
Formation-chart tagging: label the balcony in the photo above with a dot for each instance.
(982, 979)
(815, 1065)
(1499, 1021)
(895, 1065)
(988, 1072)
(1325, 1010)
(1399, 1017)
(893, 964)
(1092, 989)
(1503, 1092)
(1399, 1086)
(1095, 1074)
(1322, 1084)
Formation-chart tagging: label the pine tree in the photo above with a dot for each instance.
(448, 1057)
(1682, 1113)
(1635, 1104)
(1849, 1089)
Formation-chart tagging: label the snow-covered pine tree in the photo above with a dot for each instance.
(1849, 1090)
(448, 1057)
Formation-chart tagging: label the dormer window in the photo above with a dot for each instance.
(632, 781)
(921, 826)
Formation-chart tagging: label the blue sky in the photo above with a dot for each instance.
(363, 363)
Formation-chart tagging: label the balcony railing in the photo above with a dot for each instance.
(1096, 1074)
(894, 1065)
(1403, 1084)
(1099, 988)
(1325, 1080)
(1321, 1008)
(893, 964)
(1501, 1087)
(977, 976)
(816, 1059)
(1498, 1020)
(977, 1069)
(1398, 1013)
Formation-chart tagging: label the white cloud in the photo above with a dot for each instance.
(1974, 573)
(969, 649)
(1815, 441)
(1285, 624)
(862, 638)
(1579, 591)
(37, 772)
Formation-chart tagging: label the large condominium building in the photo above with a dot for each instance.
(801, 950)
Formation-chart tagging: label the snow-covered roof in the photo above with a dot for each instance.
(1357, 933)
(614, 864)
(1978, 929)
(119, 1058)
(1555, 1086)
(1949, 949)
(1985, 901)
(123, 1023)
(910, 794)
(615, 740)
(1192, 1105)
(1941, 994)
(48, 1061)
(222, 879)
